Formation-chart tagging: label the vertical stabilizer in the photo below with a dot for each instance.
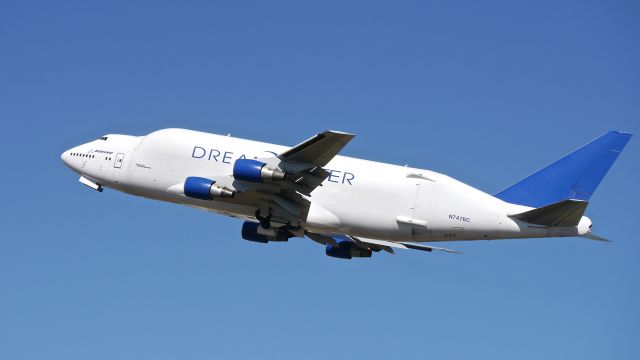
(575, 176)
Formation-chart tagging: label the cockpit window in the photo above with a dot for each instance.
(104, 138)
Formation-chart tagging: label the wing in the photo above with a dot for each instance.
(403, 245)
(283, 197)
(347, 247)
(319, 149)
(278, 188)
(304, 162)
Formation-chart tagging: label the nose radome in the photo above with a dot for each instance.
(65, 157)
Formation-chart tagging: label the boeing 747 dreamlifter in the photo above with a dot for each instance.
(354, 207)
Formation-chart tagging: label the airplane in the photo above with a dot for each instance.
(353, 207)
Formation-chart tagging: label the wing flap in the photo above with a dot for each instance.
(376, 245)
(403, 245)
(416, 246)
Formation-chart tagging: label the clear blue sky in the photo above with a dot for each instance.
(487, 92)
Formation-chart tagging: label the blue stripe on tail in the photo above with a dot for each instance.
(575, 176)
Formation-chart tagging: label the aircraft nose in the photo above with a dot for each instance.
(66, 157)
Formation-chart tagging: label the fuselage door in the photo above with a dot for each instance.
(119, 159)
(420, 209)
(413, 219)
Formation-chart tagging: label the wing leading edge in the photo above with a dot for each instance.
(319, 149)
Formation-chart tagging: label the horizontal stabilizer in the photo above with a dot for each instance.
(596, 238)
(563, 213)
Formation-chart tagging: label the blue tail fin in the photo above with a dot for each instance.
(575, 176)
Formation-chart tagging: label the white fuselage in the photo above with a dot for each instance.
(359, 197)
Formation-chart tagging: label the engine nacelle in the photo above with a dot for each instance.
(204, 189)
(346, 250)
(255, 171)
(254, 232)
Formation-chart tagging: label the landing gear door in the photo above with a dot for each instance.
(118, 162)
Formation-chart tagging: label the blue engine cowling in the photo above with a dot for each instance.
(204, 189)
(198, 188)
(250, 232)
(347, 249)
(255, 171)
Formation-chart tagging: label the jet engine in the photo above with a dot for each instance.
(254, 232)
(346, 250)
(255, 171)
(204, 189)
